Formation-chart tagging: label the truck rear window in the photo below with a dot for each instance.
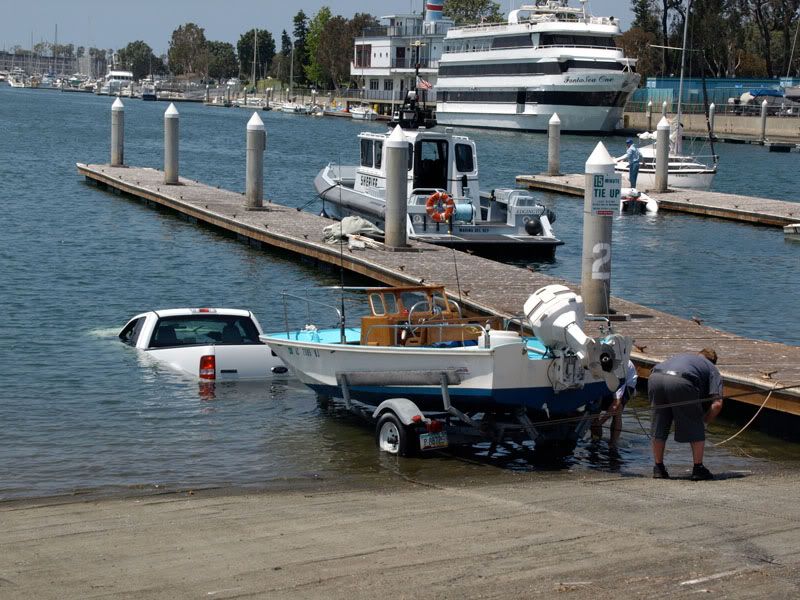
(203, 329)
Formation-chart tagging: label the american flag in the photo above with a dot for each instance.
(423, 85)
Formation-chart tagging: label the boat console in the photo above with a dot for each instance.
(420, 316)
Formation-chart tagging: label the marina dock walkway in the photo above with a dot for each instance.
(750, 367)
(746, 209)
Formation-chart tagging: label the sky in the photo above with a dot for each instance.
(114, 23)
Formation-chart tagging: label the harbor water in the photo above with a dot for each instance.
(82, 412)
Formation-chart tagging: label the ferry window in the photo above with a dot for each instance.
(464, 161)
(512, 41)
(366, 153)
(376, 302)
(378, 154)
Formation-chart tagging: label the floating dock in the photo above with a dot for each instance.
(745, 209)
(751, 368)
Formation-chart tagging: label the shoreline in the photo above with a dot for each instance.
(592, 534)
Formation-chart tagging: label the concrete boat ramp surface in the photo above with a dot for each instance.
(545, 534)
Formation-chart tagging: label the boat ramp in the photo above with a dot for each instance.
(755, 372)
(745, 209)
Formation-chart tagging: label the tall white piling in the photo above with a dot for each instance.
(600, 204)
(396, 160)
(171, 129)
(554, 146)
(662, 155)
(664, 108)
(764, 121)
(208, 95)
(256, 144)
(712, 111)
(117, 133)
(649, 112)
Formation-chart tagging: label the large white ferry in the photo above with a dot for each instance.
(549, 58)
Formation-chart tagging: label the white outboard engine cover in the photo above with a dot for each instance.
(556, 314)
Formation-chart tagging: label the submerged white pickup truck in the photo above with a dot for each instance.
(212, 344)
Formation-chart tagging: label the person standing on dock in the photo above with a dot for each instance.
(614, 404)
(634, 157)
(688, 387)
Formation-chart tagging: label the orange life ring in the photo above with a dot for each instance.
(440, 206)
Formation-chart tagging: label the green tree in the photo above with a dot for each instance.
(222, 61)
(265, 55)
(300, 51)
(188, 53)
(469, 12)
(644, 16)
(138, 57)
(313, 70)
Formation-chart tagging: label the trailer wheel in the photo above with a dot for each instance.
(393, 437)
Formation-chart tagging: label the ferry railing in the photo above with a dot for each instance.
(752, 109)
(412, 327)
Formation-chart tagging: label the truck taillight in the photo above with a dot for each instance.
(208, 367)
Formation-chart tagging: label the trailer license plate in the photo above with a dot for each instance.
(433, 441)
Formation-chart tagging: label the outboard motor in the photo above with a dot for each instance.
(556, 315)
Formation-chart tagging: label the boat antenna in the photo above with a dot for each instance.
(455, 266)
(342, 334)
(705, 102)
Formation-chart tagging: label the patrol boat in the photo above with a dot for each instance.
(445, 204)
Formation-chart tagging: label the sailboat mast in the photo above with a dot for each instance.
(255, 55)
(683, 68)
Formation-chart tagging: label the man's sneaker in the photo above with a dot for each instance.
(660, 472)
(700, 473)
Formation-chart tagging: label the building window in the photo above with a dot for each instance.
(373, 84)
(363, 55)
(388, 85)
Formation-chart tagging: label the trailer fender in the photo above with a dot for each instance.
(404, 408)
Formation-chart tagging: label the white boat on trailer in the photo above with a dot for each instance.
(445, 204)
(423, 371)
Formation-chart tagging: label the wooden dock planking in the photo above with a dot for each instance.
(486, 286)
(746, 209)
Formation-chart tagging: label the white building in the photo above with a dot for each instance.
(385, 58)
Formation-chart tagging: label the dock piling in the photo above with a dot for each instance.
(208, 95)
(763, 137)
(554, 146)
(117, 133)
(662, 155)
(256, 145)
(171, 129)
(600, 204)
(396, 188)
(712, 111)
(664, 108)
(649, 112)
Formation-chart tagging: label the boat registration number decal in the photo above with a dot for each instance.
(472, 229)
(303, 352)
(433, 441)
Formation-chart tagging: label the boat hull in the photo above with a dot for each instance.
(341, 200)
(503, 379)
(701, 179)
(574, 119)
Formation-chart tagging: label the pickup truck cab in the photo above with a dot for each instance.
(211, 344)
